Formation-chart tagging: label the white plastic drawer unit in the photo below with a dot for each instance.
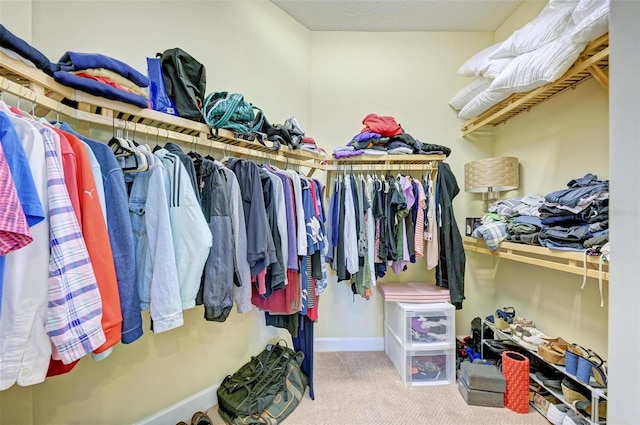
(422, 326)
(420, 367)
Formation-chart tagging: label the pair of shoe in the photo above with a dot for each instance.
(552, 350)
(504, 317)
(592, 365)
(519, 321)
(198, 418)
(584, 363)
(529, 338)
(585, 407)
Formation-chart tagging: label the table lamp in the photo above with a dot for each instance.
(490, 176)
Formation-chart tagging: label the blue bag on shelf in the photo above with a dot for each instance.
(157, 91)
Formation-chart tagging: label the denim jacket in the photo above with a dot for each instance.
(157, 275)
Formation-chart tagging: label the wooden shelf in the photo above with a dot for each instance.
(566, 261)
(386, 162)
(48, 95)
(592, 62)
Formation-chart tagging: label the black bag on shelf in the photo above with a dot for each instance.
(185, 81)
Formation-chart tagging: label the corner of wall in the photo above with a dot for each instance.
(528, 10)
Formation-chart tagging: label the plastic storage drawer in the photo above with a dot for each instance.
(420, 367)
(422, 326)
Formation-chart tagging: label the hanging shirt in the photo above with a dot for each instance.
(350, 235)
(120, 235)
(190, 231)
(218, 280)
(242, 287)
(24, 306)
(96, 238)
(14, 229)
(157, 275)
(301, 225)
(260, 249)
(421, 206)
(432, 247)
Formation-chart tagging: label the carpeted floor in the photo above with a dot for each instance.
(356, 388)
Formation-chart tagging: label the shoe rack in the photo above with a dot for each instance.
(598, 394)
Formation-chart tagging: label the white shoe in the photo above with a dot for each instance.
(557, 413)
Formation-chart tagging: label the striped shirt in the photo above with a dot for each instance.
(14, 230)
(75, 308)
(421, 207)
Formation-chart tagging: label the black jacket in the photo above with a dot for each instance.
(450, 269)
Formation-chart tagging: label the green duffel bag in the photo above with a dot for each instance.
(265, 390)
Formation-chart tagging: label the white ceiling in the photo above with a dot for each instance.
(399, 15)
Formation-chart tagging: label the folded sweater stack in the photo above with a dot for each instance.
(102, 76)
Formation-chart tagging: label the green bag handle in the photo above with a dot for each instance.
(233, 102)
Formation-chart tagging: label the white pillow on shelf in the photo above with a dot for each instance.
(550, 24)
(590, 20)
(477, 62)
(539, 67)
(495, 66)
(481, 103)
(469, 91)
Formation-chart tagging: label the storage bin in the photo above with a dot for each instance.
(422, 326)
(420, 367)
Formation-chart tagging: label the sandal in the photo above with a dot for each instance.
(552, 350)
(520, 321)
(571, 355)
(585, 407)
(503, 318)
(589, 365)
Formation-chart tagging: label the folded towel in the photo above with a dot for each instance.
(74, 61)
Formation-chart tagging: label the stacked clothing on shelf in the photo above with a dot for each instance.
(103, 76)
(382, 135)
(17, 48)
(572, 219)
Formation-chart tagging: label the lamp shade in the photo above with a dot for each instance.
(491, 175)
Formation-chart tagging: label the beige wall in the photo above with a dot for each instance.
(410, 76)
(565, 138)
(329, 81)
(248, 47)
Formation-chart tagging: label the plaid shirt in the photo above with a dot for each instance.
(75, 308)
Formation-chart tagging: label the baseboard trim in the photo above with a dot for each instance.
(184, 409)
(349, 344)
(205, 399)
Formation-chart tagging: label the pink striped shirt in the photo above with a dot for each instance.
(14, 230)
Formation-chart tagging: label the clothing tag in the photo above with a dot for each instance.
(428, 236)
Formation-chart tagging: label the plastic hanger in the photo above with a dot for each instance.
(124, 148)
(193, 153)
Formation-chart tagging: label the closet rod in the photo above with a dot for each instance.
(382, 167)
